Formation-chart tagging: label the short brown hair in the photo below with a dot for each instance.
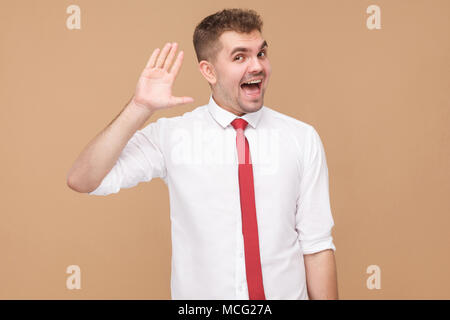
(208, 31)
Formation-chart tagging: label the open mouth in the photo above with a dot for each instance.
(253, 89)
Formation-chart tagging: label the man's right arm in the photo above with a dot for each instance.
(100, 155)
(153, 92)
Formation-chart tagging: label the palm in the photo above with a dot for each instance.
(154, 88)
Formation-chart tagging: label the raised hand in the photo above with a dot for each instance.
(154, 88)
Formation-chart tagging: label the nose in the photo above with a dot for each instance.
(255, 66)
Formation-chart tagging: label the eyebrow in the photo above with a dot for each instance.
(243, 49)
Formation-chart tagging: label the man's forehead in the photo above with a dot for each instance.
(231, 40)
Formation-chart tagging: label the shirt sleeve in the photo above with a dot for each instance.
(314, 220)
(141, 160)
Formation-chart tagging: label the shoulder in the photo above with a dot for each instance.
(304, 136)
(299, 130)
(187, 118)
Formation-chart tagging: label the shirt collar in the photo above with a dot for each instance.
(224, 117)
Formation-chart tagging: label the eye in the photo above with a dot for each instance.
(264, 52)
(240, 56)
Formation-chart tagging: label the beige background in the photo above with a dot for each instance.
(378, 98)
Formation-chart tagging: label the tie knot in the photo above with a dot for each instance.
(239, 123)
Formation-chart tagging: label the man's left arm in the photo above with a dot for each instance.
(321, 275)
(314, 221)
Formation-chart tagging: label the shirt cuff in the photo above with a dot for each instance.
(98, 192)
(317, 245)
(102, 190)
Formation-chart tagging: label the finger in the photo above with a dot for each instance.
(169, 59)
(151, 61)
(177, 65)
(181, 100)
(163, 55)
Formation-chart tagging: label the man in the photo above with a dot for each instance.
(249, 203)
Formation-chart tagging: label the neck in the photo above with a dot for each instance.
(229, 109)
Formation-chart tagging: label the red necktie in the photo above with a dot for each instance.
(248, 209)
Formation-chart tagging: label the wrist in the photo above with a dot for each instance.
(139, 108)
(140, 105)
(137, 113)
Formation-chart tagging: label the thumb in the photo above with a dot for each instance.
(181, 100)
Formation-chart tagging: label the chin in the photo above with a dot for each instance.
(251, 106)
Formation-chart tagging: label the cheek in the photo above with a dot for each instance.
(235, 74)
(231, 77)
(268, 69)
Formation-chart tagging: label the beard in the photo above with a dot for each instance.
(237, 102)
(248, 104)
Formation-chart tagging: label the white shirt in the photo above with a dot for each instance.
(195, 154)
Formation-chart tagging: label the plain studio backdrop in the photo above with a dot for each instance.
(379, 99)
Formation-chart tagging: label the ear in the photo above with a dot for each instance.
(208, 71)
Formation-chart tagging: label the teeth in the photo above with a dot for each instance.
(254, 81)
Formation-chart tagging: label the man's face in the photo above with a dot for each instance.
(243, 58)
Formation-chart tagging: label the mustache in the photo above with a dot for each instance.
(254, 76)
